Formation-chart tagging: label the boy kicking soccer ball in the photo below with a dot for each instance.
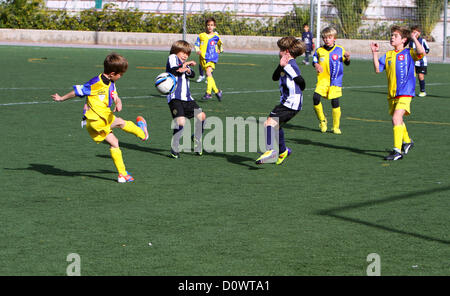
(100, 119)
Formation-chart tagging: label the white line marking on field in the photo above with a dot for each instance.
(194, 94)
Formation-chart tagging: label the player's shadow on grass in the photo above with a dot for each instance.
(370, 91)
(331, 146)
(46, 169)
(163, 152)
(235, 159)
(430, 96)
(337, 213)
(300, 127)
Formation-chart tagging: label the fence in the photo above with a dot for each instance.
(363, 19)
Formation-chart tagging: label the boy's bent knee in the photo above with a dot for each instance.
(112, 141)
(180, 121)
(335, 103)
(270, 122)
(118, 122)
(316, 98)
(201, 116)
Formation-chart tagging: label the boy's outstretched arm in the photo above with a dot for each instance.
(419, 48)
(58, 98)
(375, 49)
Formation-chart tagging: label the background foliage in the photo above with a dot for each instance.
(350, 15)
(33, 14)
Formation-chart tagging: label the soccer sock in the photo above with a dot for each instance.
(398, 136)
(422, 85)
(177, 133)
(132, 128)
(281, 145)
(269, 137)
(406, 138)
(319, 111)
(116, 155)
(211, 86)
(336, 117)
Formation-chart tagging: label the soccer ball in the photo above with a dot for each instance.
(165, 83)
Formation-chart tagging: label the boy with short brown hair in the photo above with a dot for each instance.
(399, 66)
(101, 93)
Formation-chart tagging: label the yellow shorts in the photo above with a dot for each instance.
(98, 129)
(329, 92)
(400, 103)
(205, 64)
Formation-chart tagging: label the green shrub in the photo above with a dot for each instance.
(350, 13)
(428, 14)
(33, 14)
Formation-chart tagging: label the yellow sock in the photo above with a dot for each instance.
(398, 136)
(132, 128)
(319, 112)
(406, 138)
(116, 155)
(211, 86)
(336, 117)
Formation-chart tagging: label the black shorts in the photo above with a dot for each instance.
(183, 108)
(283, 113)
(421, 70)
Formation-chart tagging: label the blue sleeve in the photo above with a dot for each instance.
(85, 89)
(382, 62)
(82, 90)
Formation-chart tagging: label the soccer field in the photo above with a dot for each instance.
(332, 203)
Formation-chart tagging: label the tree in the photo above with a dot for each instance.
(428, 13)
(350, 13)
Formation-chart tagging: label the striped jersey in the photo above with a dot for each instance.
(291, 95)
(307, 38)
(422, 62)
(209, 46)
(99, 97)
(332, 62)
(400, 71)
(182, 91)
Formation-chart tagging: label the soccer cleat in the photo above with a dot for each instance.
(323, 126)
(140, 121)
(337, 131)
(394, 155)
(200, 78)
(174, 154)
(219, 95)
(196, 145)
(305, 63)
(283, 156)
(268, 156)
(422, 94)
(125, 178)
(207, 97)
(407, 146)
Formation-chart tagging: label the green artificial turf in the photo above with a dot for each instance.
(322, 212)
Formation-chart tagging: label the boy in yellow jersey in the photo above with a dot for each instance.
(328, 60)
(399, 66)
(100, 119)
(210, 45)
